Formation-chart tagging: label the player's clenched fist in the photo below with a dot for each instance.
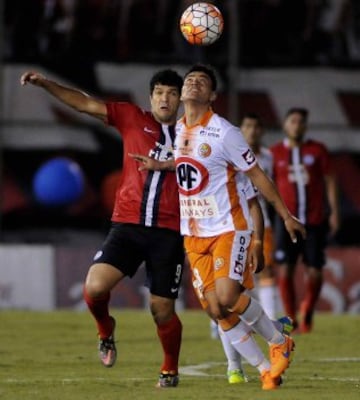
(31, 77)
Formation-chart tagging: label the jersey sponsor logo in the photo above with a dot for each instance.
(308, 159)
(161, 152)
(210, 131)
(204, 150)
(249, 157)
(298, 174)
(191, 175)
(198, 207)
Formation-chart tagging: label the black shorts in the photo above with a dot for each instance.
(312, 249)
(127, 246)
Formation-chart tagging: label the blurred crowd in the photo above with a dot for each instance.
(272, 32)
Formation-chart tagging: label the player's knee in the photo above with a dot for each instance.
(95, 288)
(216, 312)
(226, 299)
(162, 310)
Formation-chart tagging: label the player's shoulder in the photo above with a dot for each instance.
(125, 106)
(225, 128)
(221, 122)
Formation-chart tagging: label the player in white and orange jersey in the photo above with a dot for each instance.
(209, 152)
(252, 128)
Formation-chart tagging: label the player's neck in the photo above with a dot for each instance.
(194, 112)
(295, 142)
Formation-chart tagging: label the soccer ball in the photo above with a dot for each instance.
(201, 24)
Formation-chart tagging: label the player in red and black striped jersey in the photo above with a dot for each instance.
(145, 219)
(303, 176)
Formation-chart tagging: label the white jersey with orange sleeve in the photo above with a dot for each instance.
(265, 160)
(208, 157)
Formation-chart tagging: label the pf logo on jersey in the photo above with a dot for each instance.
(249, 157)
(192, 177)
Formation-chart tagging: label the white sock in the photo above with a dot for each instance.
(233, 357)
(242, 340)
(256, 318)
(267, 299)
(214, 332)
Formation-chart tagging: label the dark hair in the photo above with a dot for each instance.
(298, 110)
(166, 77)
(252, 115)
(207, 70)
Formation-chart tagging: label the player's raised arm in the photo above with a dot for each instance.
(74, 98)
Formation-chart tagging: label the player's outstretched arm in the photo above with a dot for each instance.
(148, 163)
(74, 98)
(272, 195)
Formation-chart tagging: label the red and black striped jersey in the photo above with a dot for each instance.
(147, 198)
(299, 174)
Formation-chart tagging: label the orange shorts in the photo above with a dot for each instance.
(211, 258)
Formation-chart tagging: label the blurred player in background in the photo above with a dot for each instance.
(209, 153)
(145, 219)
(304, 179)
(252, 128)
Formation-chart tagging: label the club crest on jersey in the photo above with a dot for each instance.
(308, 159)
(204, 150)
(191, 175)
(249, 157)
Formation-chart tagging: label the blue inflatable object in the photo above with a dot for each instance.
(58, 182)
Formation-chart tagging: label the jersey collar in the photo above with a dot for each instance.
(204, 120)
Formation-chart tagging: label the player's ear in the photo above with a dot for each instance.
(213, 96)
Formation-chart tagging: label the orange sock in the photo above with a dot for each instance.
(170, 337)
(99, 308)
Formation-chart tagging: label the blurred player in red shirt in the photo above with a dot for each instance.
(303, 176)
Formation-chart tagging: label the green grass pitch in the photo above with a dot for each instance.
(53, 356)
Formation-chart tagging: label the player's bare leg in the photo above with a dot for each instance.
(100, 280)
(287, 291)
(313, 284)
(169, 330)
